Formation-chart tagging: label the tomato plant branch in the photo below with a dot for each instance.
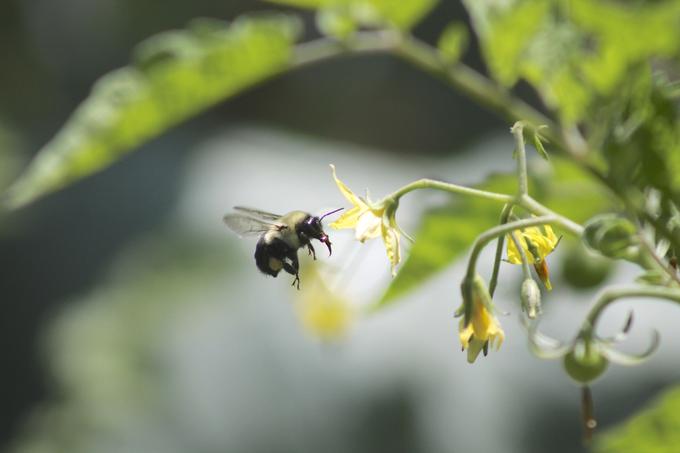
(615, 294)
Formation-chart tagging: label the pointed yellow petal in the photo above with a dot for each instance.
(464, 334)
(514, 256)
(391, 239)
(348, 219)
(550, 236)
(356, 201)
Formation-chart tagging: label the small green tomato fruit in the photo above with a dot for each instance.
(584, 367)
(583, 269)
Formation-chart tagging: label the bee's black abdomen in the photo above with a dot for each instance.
(263, 257)
(272, 256)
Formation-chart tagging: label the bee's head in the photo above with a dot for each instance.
(312, 227)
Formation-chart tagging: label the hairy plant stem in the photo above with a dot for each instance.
(521, 154)
(526, 271)
(613, 294)
(451, 188)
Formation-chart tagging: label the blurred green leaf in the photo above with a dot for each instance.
(506, 30)
(176, 75)
(453, 42)
(402, 14)
(640, 136)
(336, 22)
(574, 53)
(447, 232)
(654, 430)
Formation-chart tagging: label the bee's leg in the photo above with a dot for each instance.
(296, 280)
(293, 267)
(311, 250)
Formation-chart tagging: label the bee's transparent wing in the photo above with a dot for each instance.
(257, 213)
(244, 225)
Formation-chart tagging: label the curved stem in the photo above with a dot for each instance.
(495, 232)
(451, 188)
(612, 295)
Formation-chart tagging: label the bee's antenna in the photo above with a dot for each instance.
(332, 212)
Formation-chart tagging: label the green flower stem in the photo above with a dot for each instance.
(524, 201)
(521, 154)
(451, 188)
(612, 295)
(501, 230)
(505, 215)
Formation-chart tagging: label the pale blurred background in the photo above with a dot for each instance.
(134, 321)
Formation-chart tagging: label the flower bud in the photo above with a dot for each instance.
(530, 296)
(612, 236)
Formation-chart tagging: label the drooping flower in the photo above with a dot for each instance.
(480, 328)
(371, 220)
(323, 313)
(537, 243)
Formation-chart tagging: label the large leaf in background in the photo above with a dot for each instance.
(447, 232)
(176, 75)
(573, 52)
(402, 14)
(641, 139)
(654, 430)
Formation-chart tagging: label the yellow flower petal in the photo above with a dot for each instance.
(368, 226)
(391, 239)
(482, 328)
(465, 334)
(356, 201)
(542, 238)
(348, 219)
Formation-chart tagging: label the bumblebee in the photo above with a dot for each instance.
(280, 237)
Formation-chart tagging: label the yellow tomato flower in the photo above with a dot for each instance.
(483, 329)
(370, 221)
(538, 243)
(323, 313)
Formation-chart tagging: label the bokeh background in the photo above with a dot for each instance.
(133, 320)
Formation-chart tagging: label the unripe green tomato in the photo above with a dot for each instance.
(585, 368)
(582, 269)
